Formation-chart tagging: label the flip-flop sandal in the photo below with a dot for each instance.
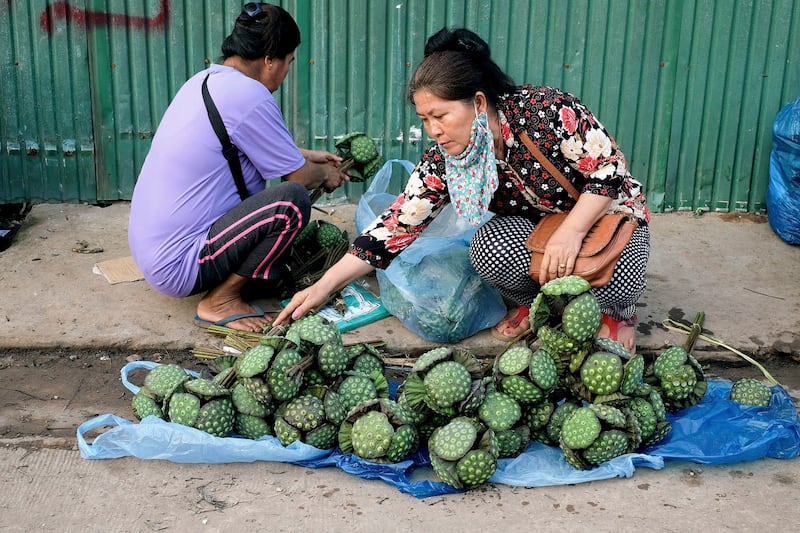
(515, 324)
(614, 325)
(259, 312)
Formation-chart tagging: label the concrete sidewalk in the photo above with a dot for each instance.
(734, 268)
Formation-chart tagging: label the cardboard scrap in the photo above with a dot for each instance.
(118, 270)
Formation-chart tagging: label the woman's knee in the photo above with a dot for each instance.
(482, 254)
(290, 198)
(298, 195)
(499, 243)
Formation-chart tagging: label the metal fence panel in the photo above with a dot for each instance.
(689, 88)
(46, 141)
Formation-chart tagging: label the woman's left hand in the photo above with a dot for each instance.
(560, 253)
(321, 157)
(564, 245)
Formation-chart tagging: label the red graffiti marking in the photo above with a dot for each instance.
(88, 19)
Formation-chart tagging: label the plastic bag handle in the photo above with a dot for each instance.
(384, 176)
(147, 365)
(86, 449)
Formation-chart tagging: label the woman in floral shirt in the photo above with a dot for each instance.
(475, 113)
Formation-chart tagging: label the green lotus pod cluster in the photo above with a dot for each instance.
(278, 385)
(463, 452)
(160, 384)
(749, 391)
(559, 385)
(447, 380)
(679, 378)
(310, 419)
(561, 367)
(360, 156)
(205, 405)
(380, 431)
(596, 433)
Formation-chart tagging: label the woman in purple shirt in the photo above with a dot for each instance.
(194, 227)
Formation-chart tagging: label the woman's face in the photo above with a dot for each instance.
(276, 71)
(448, 122)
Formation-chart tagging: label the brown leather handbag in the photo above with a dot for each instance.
(602, 245)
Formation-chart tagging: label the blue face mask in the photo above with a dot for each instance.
(472, 175)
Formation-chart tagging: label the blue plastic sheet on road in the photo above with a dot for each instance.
(715, 431)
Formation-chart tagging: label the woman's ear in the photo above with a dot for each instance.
(481, 102)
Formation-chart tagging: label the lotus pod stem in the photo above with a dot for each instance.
(673, 325)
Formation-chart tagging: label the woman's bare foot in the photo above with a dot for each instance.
(225, 301)
(622, 331)
(513, 325)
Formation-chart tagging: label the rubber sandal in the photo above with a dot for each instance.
(518, 324)
(259, 312)
(613, 326)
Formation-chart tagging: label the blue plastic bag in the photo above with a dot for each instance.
(715, 431)
(376, 198)
(431, 287)
(783, 192)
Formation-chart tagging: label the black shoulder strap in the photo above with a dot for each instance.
(230, 152)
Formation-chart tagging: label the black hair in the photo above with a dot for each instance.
(270, 33)
(457, 64)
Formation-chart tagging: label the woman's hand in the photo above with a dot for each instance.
(345, 270)
(563, 247)
(321, 157)
(302, 302)
(321, 169)
(334, 178)
(560, 253)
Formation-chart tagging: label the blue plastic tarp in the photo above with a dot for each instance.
(715, 431)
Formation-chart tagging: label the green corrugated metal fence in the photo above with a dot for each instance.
(690, 88)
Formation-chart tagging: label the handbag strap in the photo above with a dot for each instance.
(549, 166)
(230, 152)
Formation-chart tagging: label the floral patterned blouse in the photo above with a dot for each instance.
(562, 128)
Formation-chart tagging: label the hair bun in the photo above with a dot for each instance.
(459, 40)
